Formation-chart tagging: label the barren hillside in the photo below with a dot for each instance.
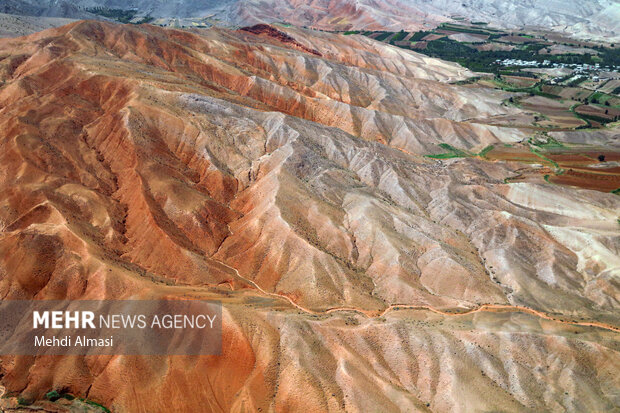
(282, 172)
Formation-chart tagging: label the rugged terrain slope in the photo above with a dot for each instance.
(282, 173)
(14, 25)
(598, 18)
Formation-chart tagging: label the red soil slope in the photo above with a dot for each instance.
(139, 162)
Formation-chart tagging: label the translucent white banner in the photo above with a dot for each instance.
(140, 327)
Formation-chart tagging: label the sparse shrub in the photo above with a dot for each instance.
(23, 402)
(52, 396)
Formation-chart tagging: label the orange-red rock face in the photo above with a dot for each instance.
(138, 162)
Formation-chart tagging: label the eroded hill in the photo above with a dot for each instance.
(141, 162)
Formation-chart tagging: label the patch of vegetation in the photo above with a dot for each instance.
(599, 119)
(532, 90)
(601, 98)
(486, 150)
(121, 15)
(92, 403)
(529, 75)
(588, 124)
(383, 36)
(399, 36)
(616, 191)
(462, 29)
(146, 19)
(481, 61)
(417, 36)
(608, 55)
(549, 143)
(467, 55)
(23, 402)
(576, 81)
(534, 47)
(597, 97)
(452, 153)
(351, 32)
(484, 61)
(454, 51)
(496, 36)
(55, 395)
(538, 153)
(582, 127)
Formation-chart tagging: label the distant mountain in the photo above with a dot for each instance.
(592, 18)
(156, 8)
(67, 9)
(581, 18)
(595, 18)
(20, 7)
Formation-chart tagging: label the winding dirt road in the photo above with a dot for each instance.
(495, 308)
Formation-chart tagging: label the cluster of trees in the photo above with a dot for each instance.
(417, 36)
(529, 75)
(123, 16)
(600, 119)
(383, 36)
(465, 29)
(398, 36)
(480, 61)
(609, 56)
(484, 61)
(575, 82)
